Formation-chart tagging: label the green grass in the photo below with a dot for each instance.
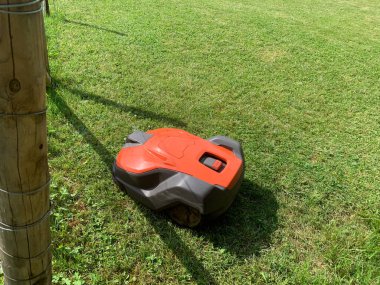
(297, 82)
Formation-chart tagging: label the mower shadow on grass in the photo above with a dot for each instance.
(246, 228)
(166, 230)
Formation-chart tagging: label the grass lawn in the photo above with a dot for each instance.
(297, 82)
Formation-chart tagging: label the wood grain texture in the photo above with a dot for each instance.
(24, 175)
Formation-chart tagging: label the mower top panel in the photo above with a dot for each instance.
(217, 162)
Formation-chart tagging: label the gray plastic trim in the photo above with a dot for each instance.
(228, 143)
(139, 137)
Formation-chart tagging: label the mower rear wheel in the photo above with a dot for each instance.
(185, 215)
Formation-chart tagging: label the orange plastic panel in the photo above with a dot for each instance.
(181, 151)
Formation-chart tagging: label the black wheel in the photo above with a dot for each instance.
(185, 216)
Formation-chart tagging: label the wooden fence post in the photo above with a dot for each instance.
(24, 174)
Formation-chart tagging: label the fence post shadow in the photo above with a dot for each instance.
(92, 26)
(138, 112)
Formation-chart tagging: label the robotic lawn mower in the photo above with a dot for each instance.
(170, 169)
